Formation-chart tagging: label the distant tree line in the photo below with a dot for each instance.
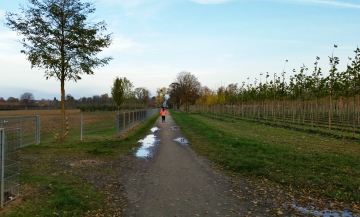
(95, 103)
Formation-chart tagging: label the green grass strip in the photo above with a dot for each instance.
(62, 196)
(278, 155)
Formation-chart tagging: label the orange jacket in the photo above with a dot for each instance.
(163, 112)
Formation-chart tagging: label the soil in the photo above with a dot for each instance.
(175, 181)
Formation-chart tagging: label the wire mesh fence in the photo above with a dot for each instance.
(20, 131)
(47, 124)
(79, 125)
(28, 126)
(84, 125)
(9, 164)
(127, 120)
(336, 122)
(16, 132)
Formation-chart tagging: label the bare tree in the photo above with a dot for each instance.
(142, 95)
(189, 88)
(26, 98)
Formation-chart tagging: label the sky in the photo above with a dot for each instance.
(220, 42)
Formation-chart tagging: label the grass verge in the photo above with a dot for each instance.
(310, 163)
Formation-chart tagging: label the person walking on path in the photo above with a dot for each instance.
(163, 114)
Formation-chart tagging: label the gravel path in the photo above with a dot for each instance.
(177, 182)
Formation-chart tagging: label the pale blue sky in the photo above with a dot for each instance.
(219, 41)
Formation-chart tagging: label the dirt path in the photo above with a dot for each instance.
(177, 182)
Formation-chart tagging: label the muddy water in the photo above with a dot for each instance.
(150, 141)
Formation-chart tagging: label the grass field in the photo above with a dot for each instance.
(308, 163)
(75, 178)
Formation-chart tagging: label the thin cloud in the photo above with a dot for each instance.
(121, 44)
(7, 41)
(324, 2)
(210, 1)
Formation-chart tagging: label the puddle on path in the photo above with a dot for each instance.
(154, 129)
(148, 144)
(324, 213)
(181, 140)
(175, 128)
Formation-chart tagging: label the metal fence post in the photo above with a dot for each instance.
(81, 126)
(132, 118)
(21, 130)
(38, 129)
(129, 123)
(124, 121)
(2, 164)
(117, 123)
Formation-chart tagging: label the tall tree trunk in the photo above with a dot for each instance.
(354, 108)
(63, 116)
(330, 111)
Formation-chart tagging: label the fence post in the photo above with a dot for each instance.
(133, 116)
(81, 126)
(130, 119)
(2, 155)
(124, 121)
(38, 129)
(21, 130)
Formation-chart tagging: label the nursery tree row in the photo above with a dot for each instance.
(308, 97)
